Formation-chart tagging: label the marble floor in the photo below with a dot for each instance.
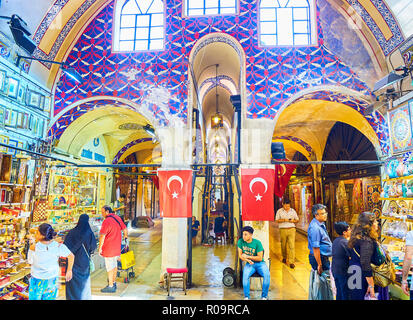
(208, 263)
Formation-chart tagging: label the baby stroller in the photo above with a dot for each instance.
(126, 263)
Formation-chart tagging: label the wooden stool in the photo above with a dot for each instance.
(220, 237)
(171, 277)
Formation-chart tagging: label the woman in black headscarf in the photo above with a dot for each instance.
(82, 242)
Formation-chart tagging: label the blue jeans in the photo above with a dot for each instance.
(325, 262)
(341, 286)
(249, 270)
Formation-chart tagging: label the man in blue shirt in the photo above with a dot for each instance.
(319, 242)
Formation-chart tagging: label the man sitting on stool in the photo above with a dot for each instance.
(251, 251)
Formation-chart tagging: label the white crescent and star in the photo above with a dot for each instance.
(284, 169)
(179, 179)
(258, 197)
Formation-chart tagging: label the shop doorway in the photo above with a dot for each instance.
(349, 189)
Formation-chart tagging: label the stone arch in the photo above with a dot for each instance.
(341, 104)
(101, 116)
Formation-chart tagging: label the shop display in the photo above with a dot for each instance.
(71, 192)
(346, 199)
(302, 199)
(397, 213)
(15, 193)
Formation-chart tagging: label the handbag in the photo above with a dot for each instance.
(91, 263)
(384, 274)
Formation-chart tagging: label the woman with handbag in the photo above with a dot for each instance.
(365, 254)
(82, 242)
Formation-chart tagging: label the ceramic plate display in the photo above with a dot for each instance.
(403, 207)
(393, 206)
(400, 129)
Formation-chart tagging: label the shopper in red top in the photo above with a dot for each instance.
(110, 244)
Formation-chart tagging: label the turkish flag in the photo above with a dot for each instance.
(283, 174)
(175, 193)
(155, 180)
(257, 194)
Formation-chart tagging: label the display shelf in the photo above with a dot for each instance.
(15, 204)
(392, 238)
(396, 219)
(399, 178)
(15, 184)
(16, 277)
(400, 198)
(62, 175)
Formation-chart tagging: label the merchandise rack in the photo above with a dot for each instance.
(397, 209)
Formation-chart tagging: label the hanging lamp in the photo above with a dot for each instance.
(217, 119)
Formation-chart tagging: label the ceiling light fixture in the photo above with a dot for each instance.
(149, 130)
(21, 33)
(393, 78)
(217, 120)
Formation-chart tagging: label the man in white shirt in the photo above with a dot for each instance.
(287, 218)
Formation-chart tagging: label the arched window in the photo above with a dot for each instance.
(209, 7)
(286, 22)
(139, 25)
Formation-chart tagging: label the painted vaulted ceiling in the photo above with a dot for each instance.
(57, 24)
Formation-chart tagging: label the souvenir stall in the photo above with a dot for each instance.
(397, 191)
(16, 182)
(24, 113)
(71, 192)
(301, 194)
(349, 189)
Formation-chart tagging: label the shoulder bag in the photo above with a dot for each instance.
(384, 274)
(91, 263)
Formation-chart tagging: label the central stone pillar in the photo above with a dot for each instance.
(256, 138)
(175, 156)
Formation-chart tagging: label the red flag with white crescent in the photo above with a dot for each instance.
(175, 193)
(257, 194)
(283, 173)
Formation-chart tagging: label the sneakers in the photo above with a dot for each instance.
(292, 265)
(246, 298)
(264, 298)
(108, 289)
(284, 261)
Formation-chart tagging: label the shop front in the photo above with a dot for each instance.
(397, 190)
(349, 190)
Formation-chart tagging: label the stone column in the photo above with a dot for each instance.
(256, 141)
(176, 155)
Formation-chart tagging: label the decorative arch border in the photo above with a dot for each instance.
(301, 142)
(63, 120)
(350, 98)
(127, 147)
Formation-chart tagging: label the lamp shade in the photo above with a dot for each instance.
(21, 34)
(388, 80)
(73, 74)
